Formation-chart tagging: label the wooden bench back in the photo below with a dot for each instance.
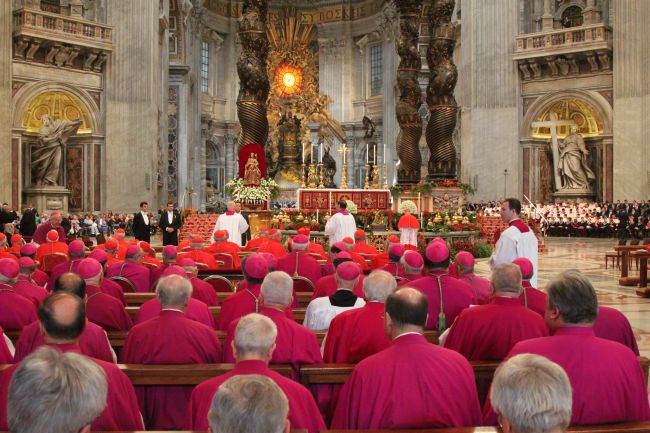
(137, 299)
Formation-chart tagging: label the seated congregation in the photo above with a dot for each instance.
(388, 340)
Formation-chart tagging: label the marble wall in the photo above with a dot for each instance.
(487, 93)
(631, 99)
(6, 163)
(132, 105)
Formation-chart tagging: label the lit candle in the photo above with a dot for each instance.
(374, 155)
(384, 153)
(311, 151)
(303, 153)
(367, 155)
(329, 204)
(321, 153)
(316, 215)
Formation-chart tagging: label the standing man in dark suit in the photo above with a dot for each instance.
(141, 223)
(28, 221)
(246, 236)
(170, 223)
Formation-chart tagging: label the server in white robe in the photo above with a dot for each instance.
(340, 225)
(233, 222)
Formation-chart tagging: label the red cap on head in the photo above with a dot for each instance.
(55, 213)
(170, 251)
(132, 250)
(271, 260)
(9, 268)
(301, 239)
(197, 240)
(396, 250)
(16, 238)
(76, 247)
(52, 236)
(348, 240)
(526, 267)
(174, 270)
(343, 255)
(437, 252)
(89, 268)
(465, 259)
(28, 250)
(342, 246)
(120, 232)
(304, 231)
(144, 245)
(256, 266)
(26, 262)
(111, 244)
(273, 231)
(99, 255)
(220, 234)
(413, 259)
(186, 262)
(348, 271)
(359, 234)
(263, 229)
(393, 239)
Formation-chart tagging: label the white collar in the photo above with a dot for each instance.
(172, 309)
(407, 333)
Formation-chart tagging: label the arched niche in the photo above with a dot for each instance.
(593, 115)
(82, 163)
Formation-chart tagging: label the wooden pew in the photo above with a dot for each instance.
(298, 313)
(483, 372)
(631, 427)
(137, 299)
(183, 374)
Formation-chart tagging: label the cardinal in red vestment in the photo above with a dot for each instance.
(298, 262)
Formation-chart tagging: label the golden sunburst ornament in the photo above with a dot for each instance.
(288, 80)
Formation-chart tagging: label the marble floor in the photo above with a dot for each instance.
(588, 256)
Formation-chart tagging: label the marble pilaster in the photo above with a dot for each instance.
(132, 105)
(6, 164)
(631, 100)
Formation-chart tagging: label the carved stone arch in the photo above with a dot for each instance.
(29, 92)
(594, 99)
(557, 16)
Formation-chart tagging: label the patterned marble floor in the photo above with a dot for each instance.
(588, 256)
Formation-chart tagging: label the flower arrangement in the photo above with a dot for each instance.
(408, 204)
(294, 219)
(425, 187)
(185, 212)
(267, 191)
(352, 207)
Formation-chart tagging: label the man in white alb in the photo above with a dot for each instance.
(518, 240)
(340, 225)
(232, 222)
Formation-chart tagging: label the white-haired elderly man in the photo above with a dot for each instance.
(170, 338)
(54, 392)
(253, 348)
(531, 394)
(356, 334)
(234, 223)
(295, 344)
(249, 404)
(299, 262)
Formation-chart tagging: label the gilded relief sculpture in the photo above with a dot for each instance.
(253, 79)
(410, 97)
(440, 91)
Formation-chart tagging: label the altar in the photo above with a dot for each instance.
(326, 199)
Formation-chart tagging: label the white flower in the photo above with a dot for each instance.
(352, 207)
(407, 204)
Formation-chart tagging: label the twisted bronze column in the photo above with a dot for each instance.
(440, 91)
(253, 78)
(410, 97)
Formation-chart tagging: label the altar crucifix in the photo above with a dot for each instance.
(344, 176)
(553, 124)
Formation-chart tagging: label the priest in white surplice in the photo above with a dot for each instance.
(516, 241)
(340, 225)
(232, 222)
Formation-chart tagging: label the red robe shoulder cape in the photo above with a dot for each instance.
(196, 310)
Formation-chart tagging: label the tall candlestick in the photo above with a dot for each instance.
(303, 153)
(329, 204)
(367, 155)
(321, 153)
(317, 220)
(374, 155)
(384, 153)
(311, 151)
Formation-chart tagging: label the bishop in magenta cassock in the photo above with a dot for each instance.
(76, 251)
(488, 332)
(132, 269)
(448, 296)
(25, 286)
(607, 380)
(412, 264)
(394, 267)
(170, 338)
(201, 290)
(254, 342)
(16, 311)
(54, 223)
(169, 254)
(298, 262)
(613, 325)
(295, 344)
(39, 277)
(518, 240)
(6, 357)
(326, 286)
(481, 287)
(413, 383)
(530, 297)
(64, 312)
(107, 286)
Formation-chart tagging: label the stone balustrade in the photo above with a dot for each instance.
(564, 41)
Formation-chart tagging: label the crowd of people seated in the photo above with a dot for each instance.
(622, 220)
(565, 357)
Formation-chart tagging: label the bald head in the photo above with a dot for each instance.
(230, 205)
(70, 283)
(406, 311)
(174, 291)
(63, 317)
(506, 280)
